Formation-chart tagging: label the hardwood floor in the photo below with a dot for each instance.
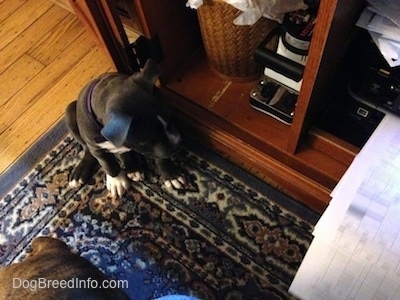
(46, 57)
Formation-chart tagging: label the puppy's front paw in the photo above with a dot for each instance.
(176, 183)
(74, 184)
(118, 185)
(83, 171)
(136, 176)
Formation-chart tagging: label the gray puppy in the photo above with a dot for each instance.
(116, 119)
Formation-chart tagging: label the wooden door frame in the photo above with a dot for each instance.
(100, 20)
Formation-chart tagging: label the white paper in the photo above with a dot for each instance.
(347, 187)
(384, 33)
(388, 8)
(384, 26)
(255, 9)
(355, 253)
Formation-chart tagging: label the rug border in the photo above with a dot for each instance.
(252, 181)
(32, 156)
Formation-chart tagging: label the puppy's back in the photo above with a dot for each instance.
(52, 265)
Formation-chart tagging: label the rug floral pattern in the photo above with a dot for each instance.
(217, 239)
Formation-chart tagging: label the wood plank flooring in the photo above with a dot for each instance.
(46, 57)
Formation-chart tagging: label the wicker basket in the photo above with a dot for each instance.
(229, 47)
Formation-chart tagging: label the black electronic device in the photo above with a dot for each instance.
(371, 80)
(378, 88)
(363, 91)
(350, 120)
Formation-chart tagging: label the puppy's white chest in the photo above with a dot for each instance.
(111, 148)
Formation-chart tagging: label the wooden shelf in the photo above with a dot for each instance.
(218, 113)
(229, 101)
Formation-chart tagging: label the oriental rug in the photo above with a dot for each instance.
(226, 236)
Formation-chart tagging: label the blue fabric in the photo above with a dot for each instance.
(177, 297)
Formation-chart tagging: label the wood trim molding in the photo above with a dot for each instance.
(98, 18)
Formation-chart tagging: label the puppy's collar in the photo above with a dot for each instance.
(92, 116)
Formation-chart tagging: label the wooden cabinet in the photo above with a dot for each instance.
(299, 159)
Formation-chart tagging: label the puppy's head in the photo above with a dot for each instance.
(140, 121)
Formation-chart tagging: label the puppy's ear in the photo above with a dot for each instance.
(117, 128)
(148, 76)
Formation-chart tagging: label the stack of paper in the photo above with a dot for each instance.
(382, 19)
(355, 253)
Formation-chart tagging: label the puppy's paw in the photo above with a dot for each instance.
(74, 184)
(176, 183)
(118, 185)
(83, 171)
(136, 176)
